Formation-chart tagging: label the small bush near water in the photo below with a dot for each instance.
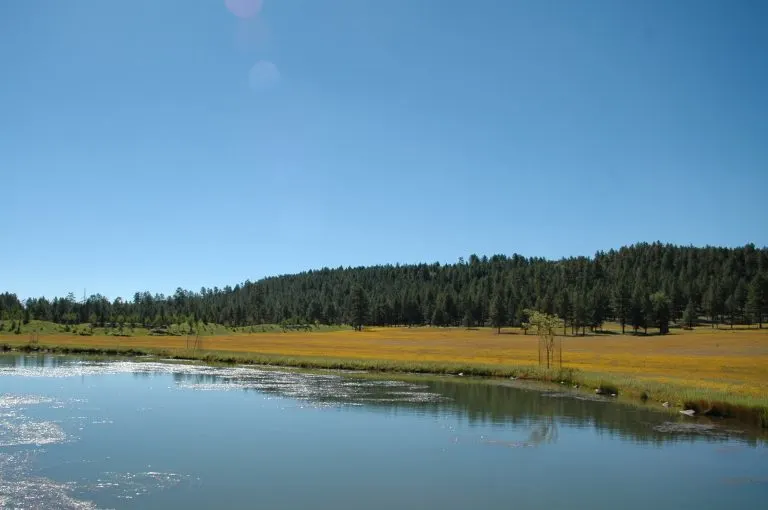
(754, 415)
(607, 388)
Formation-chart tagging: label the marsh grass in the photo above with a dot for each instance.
(722, 373)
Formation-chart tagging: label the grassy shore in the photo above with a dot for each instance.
(719, 372)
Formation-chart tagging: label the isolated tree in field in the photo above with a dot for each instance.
(498, 311)
(756, 299)
(359, 308)
(660, 304)
(689, 315)
(545, 326)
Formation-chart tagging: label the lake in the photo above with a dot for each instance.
(98, 433)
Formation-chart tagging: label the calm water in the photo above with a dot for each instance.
(131, 434)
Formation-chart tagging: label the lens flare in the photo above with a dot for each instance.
(264, 74)
(244, 8)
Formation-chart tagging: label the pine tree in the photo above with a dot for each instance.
(622, 304)
(359, 308)
(498, 311)
(521, 316)
(408, 294)
(732, 309)
(677, 298)
(579, 311)
(511, 307)
(713, 305)
(660, 304)
(689, 315)
(597, 308)
(756, 299)
(564, 309)
(649, 313)
(450, 310)
(440, 315)
(740, 299)
(329, 313)
(637, 311)
(468, 322)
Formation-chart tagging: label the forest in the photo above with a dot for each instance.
(646, 285)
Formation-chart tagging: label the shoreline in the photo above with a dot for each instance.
(676, 397)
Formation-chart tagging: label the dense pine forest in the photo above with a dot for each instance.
(641, 286)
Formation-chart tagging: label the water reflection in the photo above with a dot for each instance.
(476, 401)
(34, 361)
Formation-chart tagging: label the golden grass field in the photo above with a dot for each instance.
(733, 362)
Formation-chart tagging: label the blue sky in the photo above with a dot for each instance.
(153, 144)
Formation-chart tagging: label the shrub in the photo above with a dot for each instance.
(567, 375)
(607, 388)
(717, 409)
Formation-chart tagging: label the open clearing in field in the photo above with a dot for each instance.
(721, 360)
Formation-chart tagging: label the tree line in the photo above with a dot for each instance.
(640, 286)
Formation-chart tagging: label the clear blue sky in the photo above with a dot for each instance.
(150, 144)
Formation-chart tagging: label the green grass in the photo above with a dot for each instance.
(750, 410)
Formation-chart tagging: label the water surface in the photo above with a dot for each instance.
(78, 433)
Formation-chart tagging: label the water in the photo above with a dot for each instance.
(136, 434)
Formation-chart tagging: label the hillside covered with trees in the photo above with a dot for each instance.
(640, 286)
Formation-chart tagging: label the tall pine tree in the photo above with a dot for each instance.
(498, 310)
(622, 303)
(359, 308)
(689, 315)
(756, 299)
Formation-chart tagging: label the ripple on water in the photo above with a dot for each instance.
(20, 431)
(20, 491)
(8, 400)
(19, 488)
(287, 383)
(701, 429)
(316, 387)
(17, 429)
(133, 485)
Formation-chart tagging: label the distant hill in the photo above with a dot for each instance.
(633, 284)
